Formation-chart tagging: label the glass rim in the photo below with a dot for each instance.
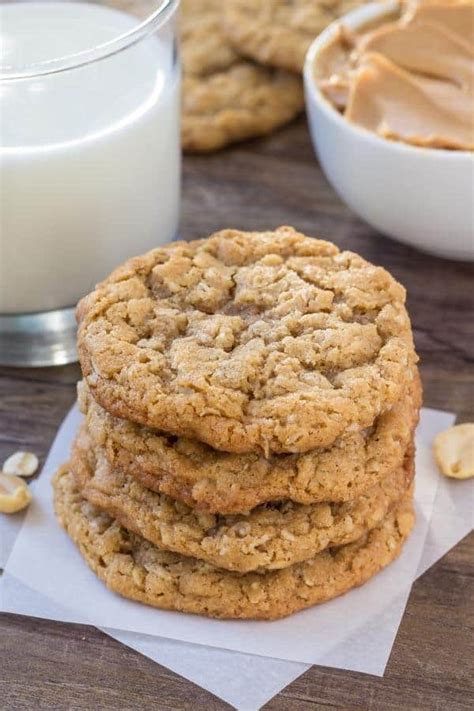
(156, 19)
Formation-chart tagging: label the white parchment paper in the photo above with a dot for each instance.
(242, 679)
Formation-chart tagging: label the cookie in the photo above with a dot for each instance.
(278, 33)
(225, 98)
(248, 341)
(220, 482)
(136, 569)
(272, 536)
(244, 101)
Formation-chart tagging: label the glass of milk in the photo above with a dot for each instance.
(89, 158)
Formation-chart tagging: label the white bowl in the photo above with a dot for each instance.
(420, 196)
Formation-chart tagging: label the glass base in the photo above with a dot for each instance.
(28, 340)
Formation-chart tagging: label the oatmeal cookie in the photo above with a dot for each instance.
(205, 49)
(225, 98)
(244, 101)
(137, 569)
(278, 32)
(248, 341)
(272, 536)
(221, 482)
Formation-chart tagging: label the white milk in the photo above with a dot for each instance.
(89, 158)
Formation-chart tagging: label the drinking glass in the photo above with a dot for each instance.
(89, 158)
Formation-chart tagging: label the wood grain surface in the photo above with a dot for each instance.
(263, 184)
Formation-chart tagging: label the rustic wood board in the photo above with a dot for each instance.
(263, 184)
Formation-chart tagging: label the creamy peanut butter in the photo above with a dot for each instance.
(409, 77)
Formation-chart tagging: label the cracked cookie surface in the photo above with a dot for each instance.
(272, 536)
(136, 569)
(221, 482)
(248, 341)
(279, 32)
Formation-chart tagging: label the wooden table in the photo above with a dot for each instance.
(261, 185)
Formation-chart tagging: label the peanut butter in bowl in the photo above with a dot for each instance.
(408, 76)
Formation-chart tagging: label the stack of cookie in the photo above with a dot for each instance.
(242, 62)
(247, 448)
(226, 97)
(242, 65)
